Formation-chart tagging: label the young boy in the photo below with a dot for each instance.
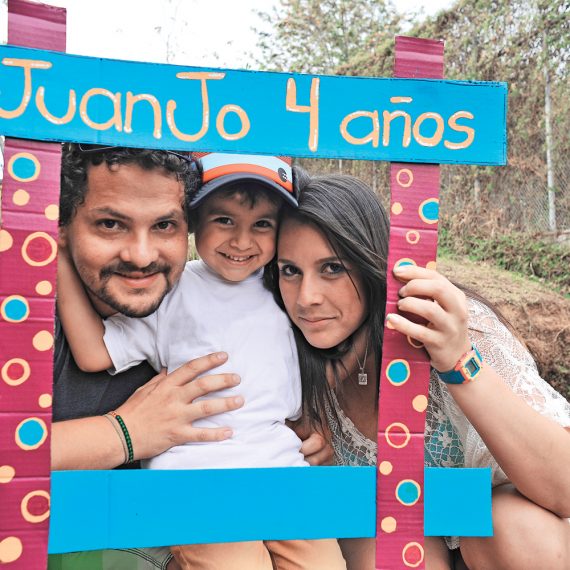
(219, 304)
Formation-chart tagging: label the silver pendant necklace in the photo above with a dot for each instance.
(362, 376)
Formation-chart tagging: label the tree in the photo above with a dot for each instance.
(321, 36)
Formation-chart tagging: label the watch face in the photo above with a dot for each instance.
(471, 367)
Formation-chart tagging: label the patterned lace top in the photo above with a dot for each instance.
(450, 439)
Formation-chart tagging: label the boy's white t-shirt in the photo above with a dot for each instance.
(202, 314)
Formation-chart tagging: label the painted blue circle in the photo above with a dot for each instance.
(15, 309)
(398, 372)
(31, 432)
(430, 210)
(24, 167)
(407, 492)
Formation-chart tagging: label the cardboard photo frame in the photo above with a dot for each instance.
(46, 96)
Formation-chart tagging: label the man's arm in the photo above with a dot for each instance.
(82, 325)
(158, 416)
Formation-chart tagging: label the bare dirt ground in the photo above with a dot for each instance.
(539, 315)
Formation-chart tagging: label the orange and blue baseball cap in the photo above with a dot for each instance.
(219, 169)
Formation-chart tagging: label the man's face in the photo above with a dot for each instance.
(129, 239)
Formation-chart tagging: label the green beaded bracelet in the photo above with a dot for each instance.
(125, 431)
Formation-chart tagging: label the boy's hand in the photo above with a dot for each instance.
(315, 446)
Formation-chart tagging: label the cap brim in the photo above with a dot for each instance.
(213, 185)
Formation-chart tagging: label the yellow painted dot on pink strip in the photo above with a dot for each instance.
(52, 212)
(44, 502)
(15, 371)
(20, 197)
(397, 208)
(385, 468)
(388, 524)
(431, 265)
(413, 237)
(7, 473)
(397, 435)
(419, 403)
(10, 549)
(413, 554)
(44, 401)
(405, 177)
(42, 341)
(6, 240)
(44, 288)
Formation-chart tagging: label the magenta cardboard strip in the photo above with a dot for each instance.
(28, 242)
(405, 367)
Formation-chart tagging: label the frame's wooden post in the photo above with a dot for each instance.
(28, 240)
(405, 367)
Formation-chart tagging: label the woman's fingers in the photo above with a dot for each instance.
(317, 450)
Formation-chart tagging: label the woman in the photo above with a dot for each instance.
(331, 280)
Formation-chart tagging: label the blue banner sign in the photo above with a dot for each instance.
(53, 96)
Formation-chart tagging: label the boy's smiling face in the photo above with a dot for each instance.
(235, 238)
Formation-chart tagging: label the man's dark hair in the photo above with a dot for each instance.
(76, 160)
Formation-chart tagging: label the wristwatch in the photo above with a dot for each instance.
(466, 369)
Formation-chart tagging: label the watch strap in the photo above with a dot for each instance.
(465, 370)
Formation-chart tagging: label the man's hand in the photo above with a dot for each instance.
(315, 445)
(161, 413)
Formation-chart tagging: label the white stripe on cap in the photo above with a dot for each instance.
(215, 159)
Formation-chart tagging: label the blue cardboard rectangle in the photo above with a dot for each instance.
(121, 509)
(53, 96)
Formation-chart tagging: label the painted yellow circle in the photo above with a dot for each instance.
(412, 546)
(48, 259)
(10, 549)
(18, 156)
(405, 177)
(398, 372)
(52, 212)
(385, 468)
(20, 198)
(431, 265)
(6, 240)
(7, 473)
(44, 401)
(388, 435)
(432, 219)
(419, 403)
(415, 343)
(24, 506)
(397, 208)
(413, 237)
(42, 341)
(44, 288)
(388, 524)
(11, 380)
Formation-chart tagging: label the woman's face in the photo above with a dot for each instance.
(322, 294)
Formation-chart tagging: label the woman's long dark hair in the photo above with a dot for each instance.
(349, 214)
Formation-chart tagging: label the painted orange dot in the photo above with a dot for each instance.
(419, 403)
(405, 177)
(431, 265)
(7, 473)
(413, 554)
(397, 208)
(413, 237)
(6, 240)
(10, 549)
(52, 212)
(20, 198)
(388, 524)
(44, 401)
(42, 341)
(44, 288)
(385, 467)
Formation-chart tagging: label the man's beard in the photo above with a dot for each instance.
(125, 268)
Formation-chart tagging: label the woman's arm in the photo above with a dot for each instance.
(533, 450)
(158, 416)
(82, 325)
